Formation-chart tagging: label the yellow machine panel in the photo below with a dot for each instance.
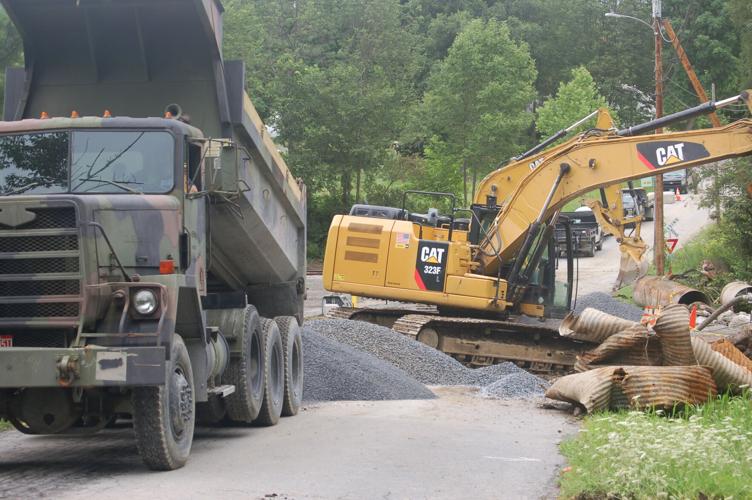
(385, 258)
(361, 250)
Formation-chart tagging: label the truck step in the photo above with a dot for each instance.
(222, 391)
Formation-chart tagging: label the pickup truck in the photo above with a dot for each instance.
(587, 236)
(676, 180)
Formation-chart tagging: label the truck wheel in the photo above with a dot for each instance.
(292, 342)
(246, 371)
(590, 252)
(599, 246)
(164, 416)
(274, 374)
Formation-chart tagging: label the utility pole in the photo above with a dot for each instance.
(658, 243)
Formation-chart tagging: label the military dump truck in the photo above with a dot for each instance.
(152, 239)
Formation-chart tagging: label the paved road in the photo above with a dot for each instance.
(597, 274)
(457, 446)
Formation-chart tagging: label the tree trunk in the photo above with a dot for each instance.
(357, 186)
(346, 182)
(475, 180)
(464, 182)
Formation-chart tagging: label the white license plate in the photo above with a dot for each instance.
(6, 341)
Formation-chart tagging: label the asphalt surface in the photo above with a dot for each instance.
(456, 446)
(683, 219)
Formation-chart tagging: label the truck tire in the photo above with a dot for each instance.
(590, 252)
(650, 213)
(164, 416)
(274, 374)
(292, 342)
(599, 245)
(246, 371)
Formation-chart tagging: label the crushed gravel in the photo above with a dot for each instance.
(608, 304)
(511, 385)
(425, 364)
(336, 372)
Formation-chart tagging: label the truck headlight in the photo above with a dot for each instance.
(145, 302)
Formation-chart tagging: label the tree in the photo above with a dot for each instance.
(574, 100)
(10, 50)
(477, 99)
(740, 12)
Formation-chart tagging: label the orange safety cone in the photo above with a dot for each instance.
(693, 317)
(677, 195)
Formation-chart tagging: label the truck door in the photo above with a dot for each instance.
(193, 244)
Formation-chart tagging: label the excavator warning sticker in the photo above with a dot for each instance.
(660, 154)
(430, 266)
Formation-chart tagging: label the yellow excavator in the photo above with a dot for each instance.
(491, 277)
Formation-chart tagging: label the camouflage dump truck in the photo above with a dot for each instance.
(152, 240)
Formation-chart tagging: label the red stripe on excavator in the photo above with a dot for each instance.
(419, 280)
(645, 161)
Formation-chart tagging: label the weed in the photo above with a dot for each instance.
(695, 451)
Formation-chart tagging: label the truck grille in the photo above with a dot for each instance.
(48, 218)
(40, 270)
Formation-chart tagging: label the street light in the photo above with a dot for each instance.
(614, 14)
(658, 256)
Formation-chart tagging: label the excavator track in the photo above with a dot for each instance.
(527, 342)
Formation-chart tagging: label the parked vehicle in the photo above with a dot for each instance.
(587, 234)
(644, 204)
(676, 180)
(149, 268)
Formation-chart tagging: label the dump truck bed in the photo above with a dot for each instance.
(135, 59)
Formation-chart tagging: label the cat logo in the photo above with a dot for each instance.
(535, 164)
(667, 153)
(432, 255)
(670, 154)
(430, 268)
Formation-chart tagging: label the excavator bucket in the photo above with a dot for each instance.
(630, 270)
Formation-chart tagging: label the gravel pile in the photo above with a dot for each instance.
(336, 372)
(608, 304)
(425, 364)
(516, 386)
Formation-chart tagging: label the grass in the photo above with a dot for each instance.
(5, 425)
(703, 451)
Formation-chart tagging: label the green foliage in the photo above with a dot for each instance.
(713, 245)
(574, 100)
(5, 425)
(731, 240)
(740, 12)
(477, 98)
(702, 452)
(10, 50)
(340, 82)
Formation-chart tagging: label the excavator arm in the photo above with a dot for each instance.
(609, 212)
(593, 160)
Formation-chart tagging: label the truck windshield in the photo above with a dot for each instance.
(86, 162)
